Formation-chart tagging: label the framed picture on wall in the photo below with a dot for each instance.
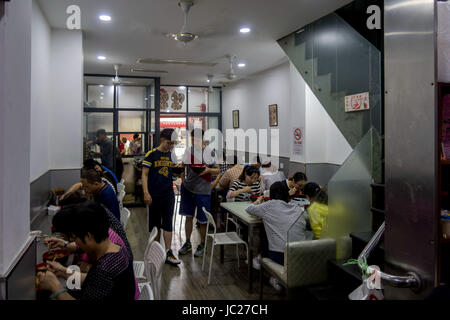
(273, 115)
(235, 119)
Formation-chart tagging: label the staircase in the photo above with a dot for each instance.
(336, 61)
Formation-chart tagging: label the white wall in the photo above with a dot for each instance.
(15, 95)
(40, 93)
(298, 107)
(252, 98)
(66, 113)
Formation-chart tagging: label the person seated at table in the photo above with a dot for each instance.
(270, 175)
(318, 210)
(284, 221)
(225, 180)
(296, 184)
(101, 192)
(107, 174)
(246, 185)
(115, 226)
(111, 276)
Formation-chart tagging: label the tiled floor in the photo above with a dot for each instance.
(188, 281)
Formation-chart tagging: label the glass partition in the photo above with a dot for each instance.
(100, 96)
(132, 97)
(350, 195)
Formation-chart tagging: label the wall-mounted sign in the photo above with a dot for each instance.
(298, 140)
(357, 102)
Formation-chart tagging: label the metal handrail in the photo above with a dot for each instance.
(412, 280)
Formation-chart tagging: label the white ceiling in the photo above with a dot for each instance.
(128, 37)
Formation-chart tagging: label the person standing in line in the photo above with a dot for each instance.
(196, 191)
(157, 184)
(106, 149)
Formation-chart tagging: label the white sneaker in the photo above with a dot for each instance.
(274, 282)
(256, 263)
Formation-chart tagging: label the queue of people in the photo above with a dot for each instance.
(90, 215)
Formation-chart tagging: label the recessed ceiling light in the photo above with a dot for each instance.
(241, 65)
(245, 30)
(101, 58)
(105, 18)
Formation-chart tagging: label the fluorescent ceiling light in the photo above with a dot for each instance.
(245, 30)
(105, 18)
(241, 65)
(101, 58)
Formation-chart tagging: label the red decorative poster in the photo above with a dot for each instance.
(357, 102)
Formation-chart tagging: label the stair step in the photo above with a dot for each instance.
(359, 242)
(343, 279)
(351, 270)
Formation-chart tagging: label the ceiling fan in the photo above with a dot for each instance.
(184, 36)
(117, 80)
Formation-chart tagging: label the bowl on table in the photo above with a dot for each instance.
(198, 168)
(58, 255)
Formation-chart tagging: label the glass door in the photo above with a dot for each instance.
(126, 112)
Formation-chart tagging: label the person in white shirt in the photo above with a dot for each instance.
(284, 222)
(270, 175)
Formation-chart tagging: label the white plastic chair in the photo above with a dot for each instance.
(120, 196)
(139, 266)
(155, 260)
(218, 239)
(124, 216)
(146, 291)
(120, 188)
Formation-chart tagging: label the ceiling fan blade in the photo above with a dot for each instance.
(148, 70)
(176, 62)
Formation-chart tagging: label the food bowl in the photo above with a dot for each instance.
(41, 267)
(198, 168)
(62, 255)
(178, 169)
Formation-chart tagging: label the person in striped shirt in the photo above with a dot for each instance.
(246, 185)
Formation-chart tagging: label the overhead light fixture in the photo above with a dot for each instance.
(104, 17)
(101, 58)
(242, 65)
(208, 81)
(182, 88)
(245, 30)
(101, 86)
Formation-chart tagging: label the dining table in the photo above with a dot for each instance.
(238, 211)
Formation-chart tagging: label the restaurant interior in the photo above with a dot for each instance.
(338, 191)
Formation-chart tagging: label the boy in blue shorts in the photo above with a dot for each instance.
(157, 184)
(196, 191)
